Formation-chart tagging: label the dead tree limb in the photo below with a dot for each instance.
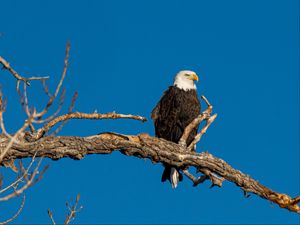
(144, 146)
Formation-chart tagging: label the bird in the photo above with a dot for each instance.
(176, 109)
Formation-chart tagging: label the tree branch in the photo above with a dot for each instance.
(7, 66)
(145, 146)
(73, 210)
(203, 131)
(17, 213)
(79, 115)
(30, 180)
(205, 115)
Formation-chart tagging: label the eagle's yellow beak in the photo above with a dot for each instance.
(194, 77)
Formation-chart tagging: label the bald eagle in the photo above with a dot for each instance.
(177, 108)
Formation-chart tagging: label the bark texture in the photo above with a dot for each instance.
(143, 146)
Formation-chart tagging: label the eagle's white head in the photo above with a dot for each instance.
(185, 80)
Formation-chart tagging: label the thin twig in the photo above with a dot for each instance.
(17, 213)
(73, 210)
(24, 99)
(195, 180)
(24, 174)
(70, 109)
(29, 182)
(2, 109)
(203, 116)
(203, 131)
(7, 66)
(51, 217)
(46, 89)
(205, 99)
(39, 120)
(50, 102)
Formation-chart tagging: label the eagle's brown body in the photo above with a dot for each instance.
(176, 109)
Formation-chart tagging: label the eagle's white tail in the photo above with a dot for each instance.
(174, 177)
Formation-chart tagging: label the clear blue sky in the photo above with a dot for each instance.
(124, 55)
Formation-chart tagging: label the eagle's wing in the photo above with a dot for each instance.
(166, 117)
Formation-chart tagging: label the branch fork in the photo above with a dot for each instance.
(205, 115)
(6, 66)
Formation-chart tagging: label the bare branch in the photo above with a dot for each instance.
(7, 66)
(24, 99)
(17, 213)
(203, 131)
(155, 149)
(73, 210)
(23, 175)
(61, 102)
(195, 180)
(79, 115)
(203, 116)
(70, 109)
(2, 109)
(51, 100)
(46, 89)
(206, 101)
(30, 180)
(51, 217)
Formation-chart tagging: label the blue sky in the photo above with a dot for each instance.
(124, 54)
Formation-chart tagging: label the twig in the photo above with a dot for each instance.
(196, 180)
(7, 66)
(46, 89)
(203, 131)
(2, 109)
(51, 217)
(216, 181)
(30, 181)
(24, 174)
(205, 99)
(73, 210)
(50, 102)
(17, 213)
(39, 120)
(203, 116)
(70, 109)
(24, 99)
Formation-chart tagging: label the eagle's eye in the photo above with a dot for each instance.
(186, 74)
